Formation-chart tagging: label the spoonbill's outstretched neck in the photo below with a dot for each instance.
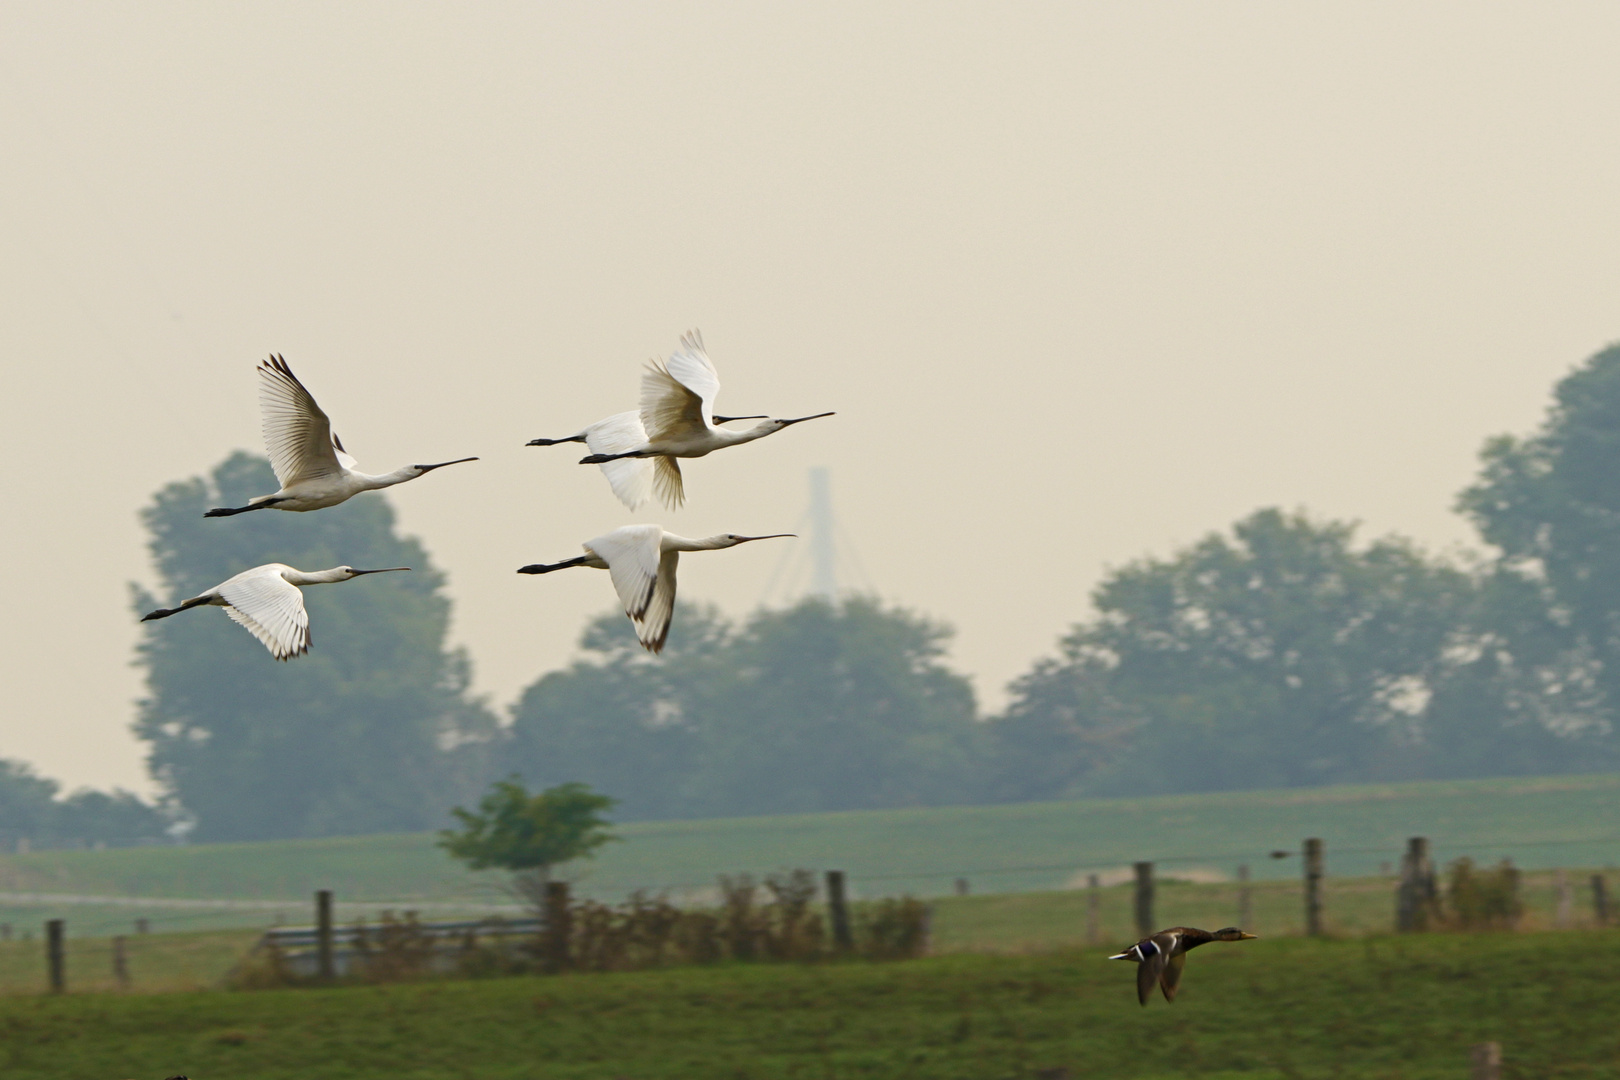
(311, 465)
(266, 600)
(637, 450)
(641, 559)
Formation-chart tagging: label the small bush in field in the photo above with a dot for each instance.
(794, 931)
(892, 929)
(1482, 899)
(397, 949)
(740, 921)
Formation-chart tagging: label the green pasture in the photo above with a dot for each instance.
(1006, 923)
(1538, 822)
(1294, 1008)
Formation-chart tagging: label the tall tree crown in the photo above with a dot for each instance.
(348, 739)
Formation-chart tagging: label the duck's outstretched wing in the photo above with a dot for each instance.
(1170, 979)
(296, 432)
(1149, 970)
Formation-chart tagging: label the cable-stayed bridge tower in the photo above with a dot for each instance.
(827, 566)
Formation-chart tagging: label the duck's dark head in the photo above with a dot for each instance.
(1232, 933)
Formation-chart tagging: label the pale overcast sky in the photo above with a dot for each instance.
(1083, 281)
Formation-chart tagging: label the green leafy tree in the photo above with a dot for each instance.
(529, 834)
(373, 731)
(818, 706)
(31, 810)
(1279, 656)
(617, 719)
(27, 804)
(833, 706)
(1550, 504)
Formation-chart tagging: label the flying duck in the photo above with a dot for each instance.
(1162, 956)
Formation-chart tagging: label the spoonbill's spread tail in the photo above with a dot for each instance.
(641, 560)
(266, 600)
(637, 450)
(1162, 956)
(311, 465)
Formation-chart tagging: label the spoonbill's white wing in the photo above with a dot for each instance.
(296, 431)
(342, 455)
(630, 478)
(632, 556)
(271, 608)
(678, 394)
(666, 480)
(652, 629)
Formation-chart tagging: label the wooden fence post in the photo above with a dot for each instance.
(838, 911)
(1563, 913)
(55, 954)
(143, 926)
(324, 964)
(5, 931)
(961, 886)
(559, 926)
(1144, 899)
(1600, 899)
(1414, 897)
(1313, 887)
(1486, 1061)
(1245, 914)
(1093, 909)
(120, 963)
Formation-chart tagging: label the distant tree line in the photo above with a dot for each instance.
(819, 706)
(34, 815)
(1282, 652)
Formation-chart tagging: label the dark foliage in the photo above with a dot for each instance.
(373, 731)
(816, 707)
(1281, 656)
(1482, 899)
(32, 811)
(1551, 506)
(775, 921)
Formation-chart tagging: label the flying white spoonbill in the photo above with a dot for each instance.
(311, 465)
(641, 559)
(266, 600)
(637, 449)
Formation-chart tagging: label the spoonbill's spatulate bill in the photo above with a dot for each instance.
(637, 450)
(1162, 955)
(311, 465)
(267, 601)
(641, 560)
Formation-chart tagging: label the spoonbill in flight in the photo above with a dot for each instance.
(637, 449)
(266, 600)
(311, 465)
(641, 560)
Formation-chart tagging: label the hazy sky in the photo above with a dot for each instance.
(1083, 281)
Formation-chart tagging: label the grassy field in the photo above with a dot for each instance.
(1002, 923)
(1285, 1009)
(1540, 823)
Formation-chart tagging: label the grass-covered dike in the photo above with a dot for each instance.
(1388, 1007)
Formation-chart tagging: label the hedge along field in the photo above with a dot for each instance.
(1395, 1008)
(1001, 923)
(1539, 822)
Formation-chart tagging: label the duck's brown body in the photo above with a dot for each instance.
(1161, 956)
